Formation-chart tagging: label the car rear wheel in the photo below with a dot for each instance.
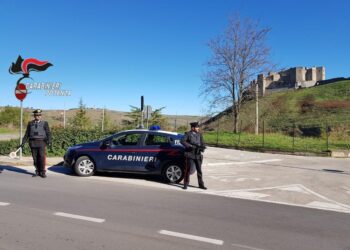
(173, 173)
(84, 166)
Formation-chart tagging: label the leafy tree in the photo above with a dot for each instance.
(81, 121)
(238, 56)
(134, 120)
(158, 119)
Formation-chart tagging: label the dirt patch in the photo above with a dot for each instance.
(334, 104)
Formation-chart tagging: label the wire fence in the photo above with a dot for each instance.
(320, 138)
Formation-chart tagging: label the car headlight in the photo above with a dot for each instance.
(74, 148)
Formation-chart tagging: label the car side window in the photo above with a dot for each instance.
(126, 140)
(157, 140)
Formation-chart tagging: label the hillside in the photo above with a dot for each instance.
(55, 118)
(115, 117)
(325, 105)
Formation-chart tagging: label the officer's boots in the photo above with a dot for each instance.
(36, 173)
(43, 174)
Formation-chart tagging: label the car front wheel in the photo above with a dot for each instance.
(173, 173)
(84, 166)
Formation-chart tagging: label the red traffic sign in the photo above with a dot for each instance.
(21, 91)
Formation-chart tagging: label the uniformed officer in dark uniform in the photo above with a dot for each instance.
(39, 135)
(195, 146)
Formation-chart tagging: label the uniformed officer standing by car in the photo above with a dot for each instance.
(195, 146)
(39, 135)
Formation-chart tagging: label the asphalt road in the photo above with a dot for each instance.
(129, 212)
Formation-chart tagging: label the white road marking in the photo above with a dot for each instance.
(224, 180)
(348, 189)
(251, 194)
(231, 174)
(241, 162)
(246, 247)
(294, 189)
(241, 194)
(219, 177)
(80, 217)
(4, 204)
(192, 237)
(325, 198)
(247, 179)
(326, 205)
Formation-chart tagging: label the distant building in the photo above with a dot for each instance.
(297, 77)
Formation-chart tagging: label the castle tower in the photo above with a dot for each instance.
(300, 73)
(320, 73)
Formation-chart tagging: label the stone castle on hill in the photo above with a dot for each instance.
(297, 77)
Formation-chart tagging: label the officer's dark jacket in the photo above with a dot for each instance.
(37, 132)
(194, 144)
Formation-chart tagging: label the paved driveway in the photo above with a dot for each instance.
(315, 182)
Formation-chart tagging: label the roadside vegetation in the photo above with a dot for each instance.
(314, 120)
(79, 128)
(305, 120)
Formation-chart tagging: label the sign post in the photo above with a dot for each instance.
(148, 113)
(21, 93)
(142, 103)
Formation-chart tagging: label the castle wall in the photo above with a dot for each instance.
(291, 78)
(311, 74)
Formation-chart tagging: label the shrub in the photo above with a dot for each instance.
(61, 140)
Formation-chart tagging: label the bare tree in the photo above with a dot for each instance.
(238, 55)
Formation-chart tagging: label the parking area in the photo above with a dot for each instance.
(315, 182)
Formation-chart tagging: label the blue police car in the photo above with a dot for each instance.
(143, 151)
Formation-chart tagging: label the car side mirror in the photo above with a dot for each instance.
(106, 144)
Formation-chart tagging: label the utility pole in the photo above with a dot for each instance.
(64, 115)
(103, 119)
(64, 118)
(256, 108)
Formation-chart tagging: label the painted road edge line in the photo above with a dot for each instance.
(192, 237)
(80, 217)
(242, 162)
(246, 247)
(4, 204)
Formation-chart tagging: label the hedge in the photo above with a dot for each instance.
(61, 140)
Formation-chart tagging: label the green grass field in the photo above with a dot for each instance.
(276, 142)
(8, 131)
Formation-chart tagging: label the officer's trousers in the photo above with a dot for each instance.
(39, 158)
(198, 164)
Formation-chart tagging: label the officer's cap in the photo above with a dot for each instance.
(194, 124)
(37, 112)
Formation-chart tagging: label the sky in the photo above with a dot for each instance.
(110, 53)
